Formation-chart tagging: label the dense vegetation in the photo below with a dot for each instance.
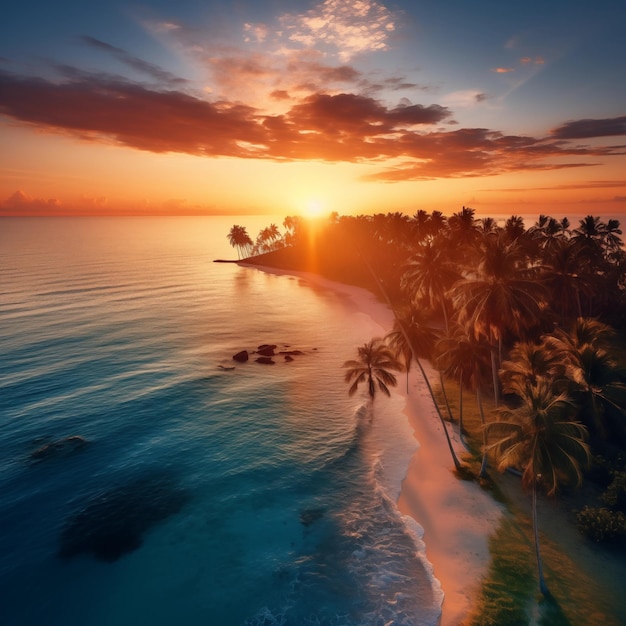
(532, 317)
(515, 308)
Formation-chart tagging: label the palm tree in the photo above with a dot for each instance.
(528, 361)
(420, 229)
(460, 354)
(595, 375)
(410, 340)
(464, 228)
(372, 366)
(514, 228)
(419, 336)
(565, 282)
(549, 233)
(541, 438)
(428, 276)
(238, 238)
(502, 300)
(487, 226)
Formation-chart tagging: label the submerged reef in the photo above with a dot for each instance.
(113, 523)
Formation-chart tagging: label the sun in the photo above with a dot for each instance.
(314, 208)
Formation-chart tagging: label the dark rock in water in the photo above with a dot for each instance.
(266, 350)
(273, 346)
(291, 352)
(66, 445)
(308, 516)
(288, 358)
(241, 357)
(113, 523)
(266, 360)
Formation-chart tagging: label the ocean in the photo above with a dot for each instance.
(148, 478)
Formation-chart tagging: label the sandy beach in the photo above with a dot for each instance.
(456, 515)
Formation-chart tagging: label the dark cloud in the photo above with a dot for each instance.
(280, 94)
(591, 184)
(360, 115)
(155, 72)
(132, 115)
(321, 126)
(586, 129)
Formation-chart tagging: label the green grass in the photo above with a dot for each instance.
(509, 584)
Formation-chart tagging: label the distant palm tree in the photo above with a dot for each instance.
(273, 232)
(549, 233)
(238, 238)
(502, 299)
(514, 228)
(541, 438)
(464, 229)
(461, 354)
(564, 275)
(372, 366)
(419, 336)
(420, 229)
(487, 226)
(428, 276)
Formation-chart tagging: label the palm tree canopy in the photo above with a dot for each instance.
(460, 354)
(503, 297)
(540, 436)
(526, 363)
(374, 360)
(412, 333)
(238, 238)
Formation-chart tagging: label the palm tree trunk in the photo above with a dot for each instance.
(457, 463)
(542, 583)
(461, 434)
(483, 465)
(445, 396)
(494, 375)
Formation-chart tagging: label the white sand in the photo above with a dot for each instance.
(457, 516)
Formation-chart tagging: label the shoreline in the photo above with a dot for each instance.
(457, 516)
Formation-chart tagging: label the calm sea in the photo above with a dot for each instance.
(204, 495)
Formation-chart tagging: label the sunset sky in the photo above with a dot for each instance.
(285, 107)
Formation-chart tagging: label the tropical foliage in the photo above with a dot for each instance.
(534, 316)
(373, 366)
(542, 439)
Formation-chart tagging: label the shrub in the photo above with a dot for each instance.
(602, 524)
(615, 494)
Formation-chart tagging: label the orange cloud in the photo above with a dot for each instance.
(503, 70)
(592, 184)
(321, 126)
(20, 203)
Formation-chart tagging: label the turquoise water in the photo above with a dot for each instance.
(255, 495)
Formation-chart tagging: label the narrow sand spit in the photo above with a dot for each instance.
(456, 515)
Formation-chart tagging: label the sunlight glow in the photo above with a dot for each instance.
(315, 208)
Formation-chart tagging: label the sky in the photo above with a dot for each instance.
(193, 107)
